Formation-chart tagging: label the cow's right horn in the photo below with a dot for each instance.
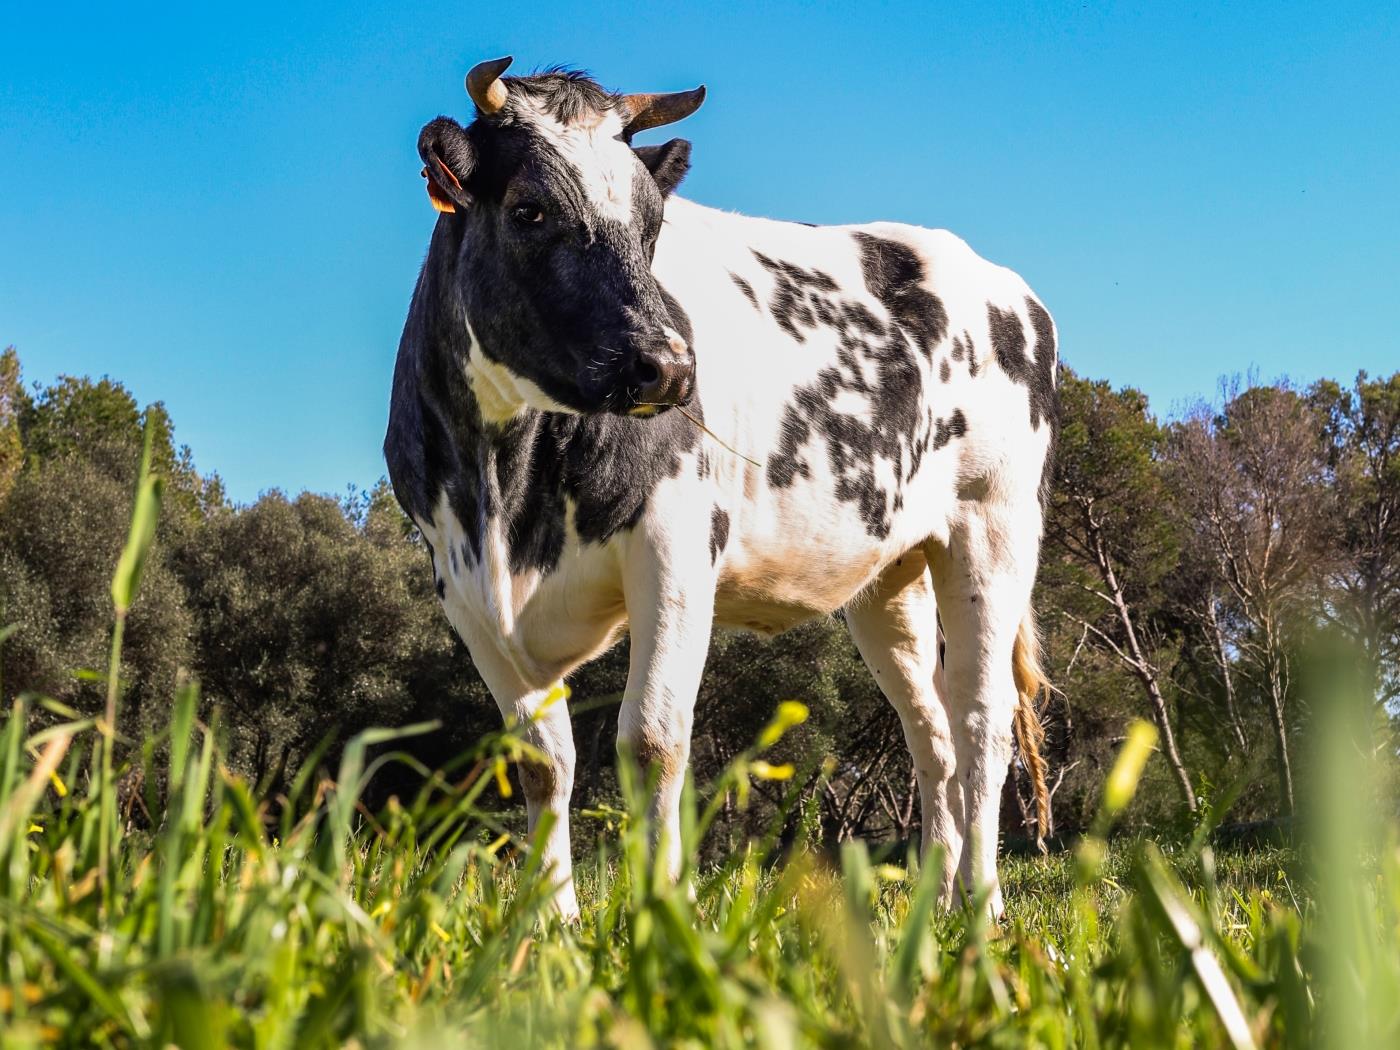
(485, 87)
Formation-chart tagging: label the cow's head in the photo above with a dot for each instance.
(559, 217)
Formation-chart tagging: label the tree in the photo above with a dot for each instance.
(1114, 543)
(13, 404)
(62, 527)
(1251, 480)
(63, 521)
(308, 625)
(1362, 432)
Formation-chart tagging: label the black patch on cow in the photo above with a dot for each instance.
(1045, 389)
(1036, 373)
(945, 371)
(876, 360)
(440, 585)
(963, 348)
(945, 430)
(744, 287)
(894, 274)
(796, 293)
(719, 532)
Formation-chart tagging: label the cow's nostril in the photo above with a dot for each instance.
(646, 373)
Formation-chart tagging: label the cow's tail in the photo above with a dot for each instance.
(1030, 734)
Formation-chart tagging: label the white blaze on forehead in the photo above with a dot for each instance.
(603, 162)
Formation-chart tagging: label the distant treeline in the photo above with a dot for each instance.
(1187, 565)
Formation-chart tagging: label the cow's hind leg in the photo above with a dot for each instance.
(541, 719)
(983, 577)
(895, 628)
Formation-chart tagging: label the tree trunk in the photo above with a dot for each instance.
(1218, 641)
(1276, 700)
(1145, 672)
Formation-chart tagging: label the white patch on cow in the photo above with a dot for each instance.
(593, 147)
(502, 395)
(851, 403)
(674, 339)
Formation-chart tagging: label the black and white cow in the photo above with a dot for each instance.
(881, 405)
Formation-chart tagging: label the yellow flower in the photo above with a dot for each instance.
(790, 713)
(763, 771)
(1122, 783)
(498, 843)
(442, 934)
(502, 781)
(890, 873)
(59, 787)
(558, 691)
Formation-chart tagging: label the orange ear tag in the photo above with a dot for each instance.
(437, 197)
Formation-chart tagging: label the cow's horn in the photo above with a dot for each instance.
(640, 112)
(485, 87)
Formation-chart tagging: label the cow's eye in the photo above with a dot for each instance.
(527, 212)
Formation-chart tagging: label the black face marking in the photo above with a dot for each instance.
(719, 532)
(556, 291)
(746, 288)
(875, 360)
(1037, 374)
(895, 276)
(520, 474)
(796, 292)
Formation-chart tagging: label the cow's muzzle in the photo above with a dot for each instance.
(660, 374)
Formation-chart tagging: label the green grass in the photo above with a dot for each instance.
(308, 921)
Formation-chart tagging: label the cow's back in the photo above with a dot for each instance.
(867, 380)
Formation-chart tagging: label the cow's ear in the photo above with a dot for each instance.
(668, 163)
(447, 163)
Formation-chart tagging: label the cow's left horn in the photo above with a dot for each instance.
(640, 112)
(485, 87)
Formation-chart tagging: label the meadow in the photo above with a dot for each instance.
(149, 896)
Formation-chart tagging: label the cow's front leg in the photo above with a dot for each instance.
(669, 588)
(541, 719)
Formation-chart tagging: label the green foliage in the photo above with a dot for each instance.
(1108, 471)
(13, 404)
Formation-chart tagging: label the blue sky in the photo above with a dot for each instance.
(222, 207)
